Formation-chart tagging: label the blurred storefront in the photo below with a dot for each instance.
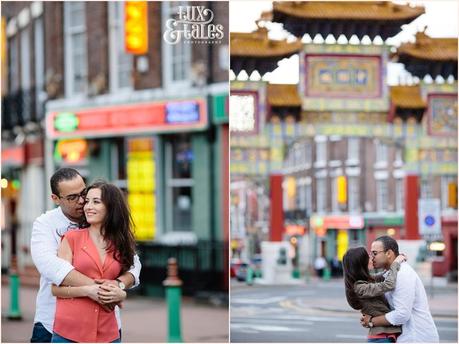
(130, 107)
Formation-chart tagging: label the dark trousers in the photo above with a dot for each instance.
(381, 340)
(40, 334)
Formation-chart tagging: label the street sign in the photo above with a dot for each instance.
(429, 217)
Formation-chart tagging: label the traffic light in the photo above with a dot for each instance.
(342, 189)
(452, 195)
(136, 27)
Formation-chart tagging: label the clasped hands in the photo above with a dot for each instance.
(106, 293)
(364, 319)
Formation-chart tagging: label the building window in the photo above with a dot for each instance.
(353, 194)
(176, 57)
(179, 160)
(298, 155)
(381, 195)
(381, 154)
(335, 205)
(308, 195)
(76, 68)
(40, 94)
(353, 150)
(307, 150)
(300, 195)
(426, 188)
(398, 157)
(120, 61)
(445, 181)
(26, 75)
(321, 194)
(321, 150)
(14, 65)
(399, 195)
(285, 202)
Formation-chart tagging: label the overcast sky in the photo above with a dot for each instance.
(441, 19)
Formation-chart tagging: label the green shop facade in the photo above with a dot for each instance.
(170, 157)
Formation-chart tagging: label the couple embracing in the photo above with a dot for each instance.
(85, 252)
(394, 304)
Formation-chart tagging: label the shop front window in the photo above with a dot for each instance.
(179, 159)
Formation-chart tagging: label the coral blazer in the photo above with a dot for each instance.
(81, 319)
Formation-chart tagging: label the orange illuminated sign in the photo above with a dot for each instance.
(136, 27)
(72, 151)
(294, 230)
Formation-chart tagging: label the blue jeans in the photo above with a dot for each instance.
(59, 339)
(40, 334)
(381, 340)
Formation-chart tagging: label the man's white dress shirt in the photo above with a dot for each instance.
(411, 309)
(46, 237)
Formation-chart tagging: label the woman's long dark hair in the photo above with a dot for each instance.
(355, 266)
(117, 225)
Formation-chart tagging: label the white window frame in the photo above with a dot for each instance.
(301, 194)
(117, 46)
(68, 55)
(354, 194)
(353, 149)
(26, 71)
(335, 204)
(285, 202)
(172, 182)
(25, 43)
(398, 157)
(39, 40)
(382, 199)
(308, 195)
(321, 194)
(426, 188)
(167, 51)
(381, 154)
(13, 48)
(399, 195)
(321, 151)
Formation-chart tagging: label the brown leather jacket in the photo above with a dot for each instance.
(371, 296)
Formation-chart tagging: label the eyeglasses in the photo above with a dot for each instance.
(75, 197)
(375, 253)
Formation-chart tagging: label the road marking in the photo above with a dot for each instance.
(446, 329)
(241, 300)
(260, 328)
(297, 322)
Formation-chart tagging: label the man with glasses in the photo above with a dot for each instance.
(68, 193)
(408, 300)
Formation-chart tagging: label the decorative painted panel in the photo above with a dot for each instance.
(442, 114)
(247, 110)
(343, 76)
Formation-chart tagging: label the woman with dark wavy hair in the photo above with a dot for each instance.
(103, 250)
(365, 292)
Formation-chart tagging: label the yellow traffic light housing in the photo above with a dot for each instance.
(136, 27)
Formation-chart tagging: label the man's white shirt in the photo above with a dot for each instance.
(411, 308)
(46, 236)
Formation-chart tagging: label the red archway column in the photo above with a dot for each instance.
(411, 207)
(276, 209)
